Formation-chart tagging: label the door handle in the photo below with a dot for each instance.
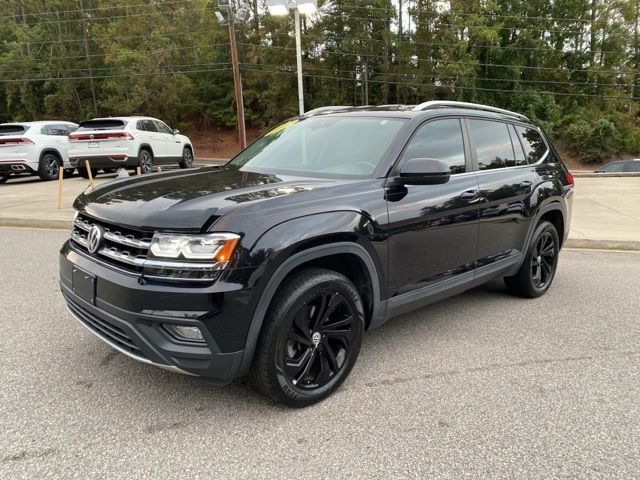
(471, 195)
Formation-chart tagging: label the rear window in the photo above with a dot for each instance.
(101, 125)
(13, 129)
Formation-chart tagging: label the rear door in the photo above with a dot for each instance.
(506, 180)
(434, 228)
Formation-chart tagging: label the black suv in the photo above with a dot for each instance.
(275, 264)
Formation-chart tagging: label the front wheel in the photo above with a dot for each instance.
(187, 158)
(4, 177)
(310, 339)
(84, 173)
(540, 263)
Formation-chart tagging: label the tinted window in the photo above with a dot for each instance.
(325, 146)
(534, 146)
(149, 125)
(614, 167)
(140, 125)
(58, 130)
(162, 128)
(493, 144)
(633, 166)
(13, 129)
(106, 124)
(440, 139)
(521, 158)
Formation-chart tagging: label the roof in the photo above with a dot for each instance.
(431, 108)
(39, 122)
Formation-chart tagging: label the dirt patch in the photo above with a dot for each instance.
(218, 142)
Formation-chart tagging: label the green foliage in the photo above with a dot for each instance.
(573, 66)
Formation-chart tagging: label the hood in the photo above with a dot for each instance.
(188, 199)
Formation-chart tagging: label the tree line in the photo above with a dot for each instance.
(573, 66)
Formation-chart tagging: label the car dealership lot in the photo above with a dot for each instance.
(480, 385)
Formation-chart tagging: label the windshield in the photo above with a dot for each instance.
(327, 146)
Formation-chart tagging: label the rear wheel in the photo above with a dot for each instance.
(84, 173)
(48, 167)
(109, 170)
(539, 267)
(187, 158)
(145, 161)
(310, 339)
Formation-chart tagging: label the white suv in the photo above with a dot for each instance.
(34, 148)
(109, 143)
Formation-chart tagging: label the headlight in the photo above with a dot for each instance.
(212, 246)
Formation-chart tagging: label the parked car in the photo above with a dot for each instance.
(621, 166)
(275, 264)
(110, 143)
(34, 148)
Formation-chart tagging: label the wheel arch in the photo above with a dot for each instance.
(52, 151)
(553, 212)
(146, 146)
(348, 258)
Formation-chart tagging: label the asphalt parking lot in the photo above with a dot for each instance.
(483, 385)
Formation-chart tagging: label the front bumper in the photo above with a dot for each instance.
(128, 314)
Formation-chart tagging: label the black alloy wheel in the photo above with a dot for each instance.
(540, 263)
(319, 340)
(187, 158)
(48, 168)
(311, 338)
(145, 162)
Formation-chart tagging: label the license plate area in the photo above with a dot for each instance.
(83, 285)
(94, 145)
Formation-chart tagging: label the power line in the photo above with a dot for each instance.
(146, 74)
(495, 90)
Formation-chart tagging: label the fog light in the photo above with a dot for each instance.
(184, 332)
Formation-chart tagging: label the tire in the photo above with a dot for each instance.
(187, 158)
(145, 161)
(84, 173)
(319, 358)
(540, 263)
(109, 170)
(68, 172)
(4, 177)
(48, 167)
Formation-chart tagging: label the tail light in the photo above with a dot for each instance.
(79, 137)
(16, 141)
(569, 178)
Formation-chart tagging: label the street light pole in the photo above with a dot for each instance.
(237, 81)
(299, 62)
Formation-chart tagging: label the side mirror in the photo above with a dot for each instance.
(176, 131)
(424, 171)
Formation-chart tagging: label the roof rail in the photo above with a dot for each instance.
(473, 106)
(327, 109)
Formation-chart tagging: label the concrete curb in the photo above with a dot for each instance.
(36, 223)
(591, 244)
(580, 243)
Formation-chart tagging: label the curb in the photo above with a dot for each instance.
(590, 244)
(36, 223)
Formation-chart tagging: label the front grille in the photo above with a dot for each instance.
(106, 330)
(122, 247)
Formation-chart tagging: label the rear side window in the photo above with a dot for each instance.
(439, 139)
(493, 144)
(532, 142)
(57, 130)
(614, 167)
(149, 125)
(106, 124)
(13, 129)
(140, 126)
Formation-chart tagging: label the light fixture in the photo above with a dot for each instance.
(278, 7)
(184, 332)
(306, 7)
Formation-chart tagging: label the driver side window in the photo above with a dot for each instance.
(439, 139)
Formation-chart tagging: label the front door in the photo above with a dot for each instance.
(433, 228)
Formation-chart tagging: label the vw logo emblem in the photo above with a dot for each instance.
(91, 137)
(94, 239)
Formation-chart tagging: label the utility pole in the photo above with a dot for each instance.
(299, 61)
(237, 80)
